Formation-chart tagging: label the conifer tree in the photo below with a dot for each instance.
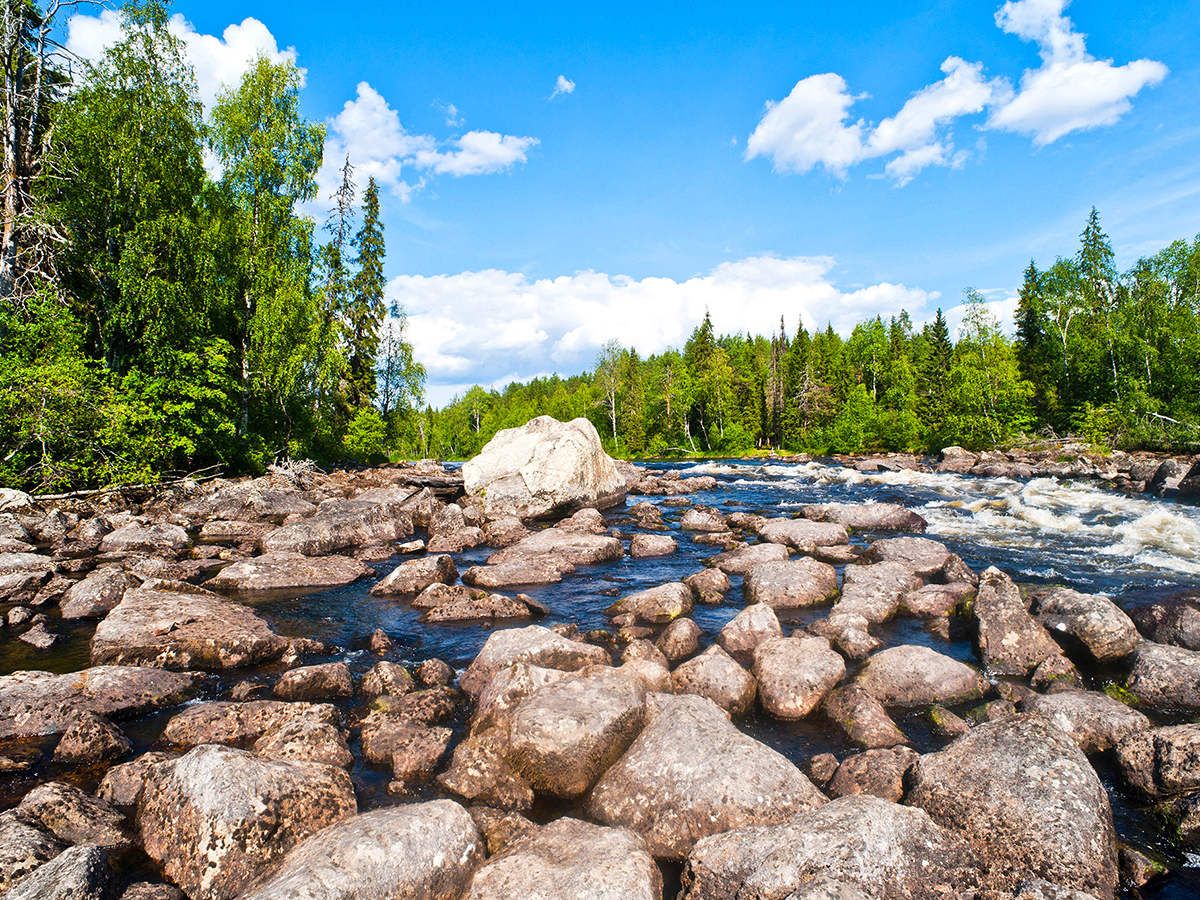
(365, 308)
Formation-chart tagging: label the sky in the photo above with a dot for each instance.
(555, 177)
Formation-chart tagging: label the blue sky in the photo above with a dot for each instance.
(796, 159)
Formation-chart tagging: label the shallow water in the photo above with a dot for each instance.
(1043, 530)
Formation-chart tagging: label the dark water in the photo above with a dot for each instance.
(1040, 530)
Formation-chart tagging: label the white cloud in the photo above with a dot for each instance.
(563, 85)
(454, 119)
(481, 327)
(1071, 91)
(477, 153)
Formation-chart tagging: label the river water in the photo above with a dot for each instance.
(1043, 530)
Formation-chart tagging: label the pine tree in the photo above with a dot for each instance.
(365, 309)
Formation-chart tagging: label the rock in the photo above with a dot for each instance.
(645, 546)
(1189, 485)
(741, 560)
(411, 750)
(122, 784)
(504, 532)
(141, 538)
(248, 813)
(679, 640)
(803, 535)
(303, 740)
(565, 735)
(879, 773)
(506, 690)
(1175, 620)
(714, 674)
(75, 817)
(13, 501)
(794, 584)
(1095, 621)
(282, 570)
(821, 768)
(18, 584)
(911, 675)
(80, 873)
(932, 601)
(543, 468)
(1164, 677)
(921, 555)
(458, 603)
(578, 548)
(501, 829)
(422, 850)
(341, 524)
(223, 532)
(270, 498)
(657, 605)
(379, 642)
(1095, 721)
(481, 773)
(691, 773)
(532, 644)
(24, 846)
(709, 586)
(889, 852)
(1161, 761)
(529, 570)
(221, 722)
(956, 460)
(862, 718)
(867, 516)
(323, 683)
(1027, 800)
(386, 678)
(748, 629)
(703, 518)
(1011, 642)
(433, 672)
(428, 707)
(144, 890)
(38, 636)
(12, 563)
(457, 541)
(874, 591)
(795, 674)
(571, 860)
(176, 626)
(415, 575)
(90, 739)
(95, 595)
(34, 703)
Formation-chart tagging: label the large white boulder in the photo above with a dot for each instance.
(545, 467)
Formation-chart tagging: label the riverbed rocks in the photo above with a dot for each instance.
(869, 517)
(794, 674)
(912, 675)
(741, 560)
(288, 571)
(656, 606)
(862, 718)
(414, 575)
(1173, 620)
(1160, 762)
(79, 873)
(142, 537)
(716, 675)
(342, 524)
(802, 535)
(648, 546)
(709, 586)
(749, 628)
(25, 844)
(1165, 677)
(1095, 721)
(534, 645)
(792, 584)
(95, 595)
(225, 722)
(330, 681)
(91, 739)
(1010, 640)
(1094, 621)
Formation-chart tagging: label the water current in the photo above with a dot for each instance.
(1043, 530)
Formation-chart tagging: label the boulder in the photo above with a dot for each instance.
(867, 516)
(34, 703)
(1027, 800)
(886, 851)
(222, 722)
(862, 718)
(933, 601)
(1175, 620)
(305, 741)
(24, 846)
(1093, 620)
(75, 817)
(504, 531)
(1164, 676)
(481, 772)
(879, 773)
(1095, 721)
(657, 605)
(422, 850)
(957, 460)
(571, 860)
(1010, 640)
(921, 555)
(912, 675)
(459, 603)
(39, 636)
(1159, 762)
(691, 773)
(427, 707)
(874, 591)
(340, 524)
(646, 546)
(795, 584)
(794, 674)
(703, 518)
(330, 681)
(715, 674)
(544, 468)
(803, 535)
(386, 678)
(411, 750)
(565, 545)
(679, 640)
(533, 644)
(741, 560)
(748, 629)
(218, 819)
(541, 569)
(138, 537)
(80, 873)
(95, 595)
(91, 739)
(287, 571)
(457, 541)
(12, 563)
(709, 586)
(271, 498)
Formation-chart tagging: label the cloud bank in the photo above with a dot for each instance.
(1071, 91)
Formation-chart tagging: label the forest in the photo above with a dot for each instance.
(166, 308)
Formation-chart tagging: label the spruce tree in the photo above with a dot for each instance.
(365, 309)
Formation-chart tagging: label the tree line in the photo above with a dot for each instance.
(1109, 358)
(164, 304)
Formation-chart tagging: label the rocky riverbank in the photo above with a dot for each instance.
(190, 745)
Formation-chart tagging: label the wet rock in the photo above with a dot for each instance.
(795, 674)
(379, 642)
(932, 601)
(703, 518)
(177, 626)
(911, 675)
(418, 850)
(386, 678)
(679, 640)
(251, 812)
(137, 537)
(862, 718)
(874, 591)
(821, 768)
(533, 644)
(1095, 621)
(456, 603)
(433, 672)
(1175, 620)
(1164, 676)
(887, 851)
(691, 773)
(1027, 800)
(80, 873)
(741, 560)
(39, 636)
(709, 586)
(646, 546)
(795, 584)
(803, 535)
(122, 784)
(1010, 640)
(947, 724)
(714, 674)
(543, 468)
(33, 703)
(411, 750)
(867, 516)
(748, 629)
(428, 707)
(921, 555)
(1189, 485)
(657, 605)
(1095, 721)
(221, 722)
(24, 846)
(571, 860)
(75, 817)
(530, 570)
(879, 773)
(283, 570)
(303, 740)
(95, 595)
(1161, 761)
(19, 615)
(565, 735)
(91, 739)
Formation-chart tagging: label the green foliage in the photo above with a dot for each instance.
(365, 434)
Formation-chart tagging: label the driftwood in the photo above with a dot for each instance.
(197, 477)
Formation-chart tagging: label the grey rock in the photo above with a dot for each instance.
(24, 846)
(748, 629)
(874, 591)
(714, 674)
(480, 772)
(1161, 761)
(91, 739)
(386, 678)
(80, 873)
(330, 681)
(541, 569)
(1095, 721)
(862, 718)
(137, 537)
(911, 675)
(1172, 621)
(646, 546)
(415, 575)
(932, 601)
(709, 586)
(1011, 642)
(922, 555)
(577, 547)
(75, 817)
(679, 640)
(795, 674)
(533, 644)
(341, 524)
(795, 584)
(99, 592)
(657, 605)
(703, 518)
(411, 750)
(286, 571)
(1095, 621)
(122, 784)
(867, 516)
(803, 535)
(957, 460)
(741, 560)
(303, 740)
(39, 636)
(221, 722)
(1164, 676)
(879, 773)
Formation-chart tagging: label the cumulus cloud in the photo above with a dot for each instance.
(1071, 91)
(563, 85)
(482, 327)
(477, 153)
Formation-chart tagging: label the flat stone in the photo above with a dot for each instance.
(923, 556)
(912, 675)
(533, 644)
(343, 524)
(703, 518)
(282, 571)
(803, 535)
(222, 722)
(529, 570)
(740, 561)
(579, 548)
(874, 591)
(137, 537)
(414, 575)
(796, 584)
(656, 605)
(867, 516)
(933, 601)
